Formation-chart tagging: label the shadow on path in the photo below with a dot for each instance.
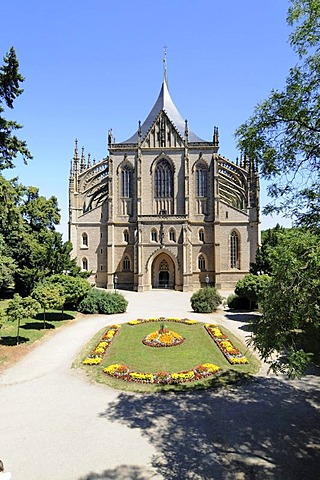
(265, 428)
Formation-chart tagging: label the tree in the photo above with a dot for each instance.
(269, 239)
(283, 134)
(7, 266)
(48, 296)
(20, 309)
(288, 333)
(10, 80)
(74, 288)
(252, 287)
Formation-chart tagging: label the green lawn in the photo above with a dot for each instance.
(127, 348)
(30, 330)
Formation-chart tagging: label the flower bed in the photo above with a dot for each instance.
(187, 321)
(232, 354)
(163, 338)
(122, 372)
(96, 355)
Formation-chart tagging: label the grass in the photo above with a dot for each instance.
(31, 329)
(127, 348)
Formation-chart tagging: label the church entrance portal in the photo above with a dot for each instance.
(163, 272)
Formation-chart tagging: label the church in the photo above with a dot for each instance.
(164, 209)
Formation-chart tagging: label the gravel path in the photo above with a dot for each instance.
(54, 424)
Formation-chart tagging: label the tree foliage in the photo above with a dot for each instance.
(7, 266)
(288, 332)
(74, 288)
(283, 133)
(10, 80)
(20, 309)
(252, 287)
(48, 296)
(269, 239)
(34, 249)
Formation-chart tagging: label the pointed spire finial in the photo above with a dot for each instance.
(165, 75)
(83, 161)
(76, 156)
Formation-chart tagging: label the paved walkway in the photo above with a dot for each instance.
(54, 424)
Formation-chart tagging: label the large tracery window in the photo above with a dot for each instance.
(234, 250)
(126, 182)
(163, 180)
(201, 181)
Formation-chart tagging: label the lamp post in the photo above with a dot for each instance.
(115, 279)
(207, 280)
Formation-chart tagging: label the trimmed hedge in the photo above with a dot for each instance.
(205, 300)
(98, 301)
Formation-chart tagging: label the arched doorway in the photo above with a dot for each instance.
(163, 272)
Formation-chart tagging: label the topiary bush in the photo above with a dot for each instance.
(98, 301)
(205, 300)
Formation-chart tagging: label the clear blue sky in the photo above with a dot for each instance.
(94, 65)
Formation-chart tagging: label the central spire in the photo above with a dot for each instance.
(164, 60)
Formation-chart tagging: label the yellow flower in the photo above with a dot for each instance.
(111, 369)
(211, 367)
(191, 322)
(92, 361)
(134, 322)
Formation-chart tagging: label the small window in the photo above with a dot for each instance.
(172, 235)
(201, 263)
(100, 250)
(201, 236)
(101, 267)
(126, 236)
(85, 240)
(154, 235)
(126, 263)
(84, 264)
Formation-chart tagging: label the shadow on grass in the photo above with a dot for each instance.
(54, 316)
(37, 326)
(266, 428)
(9, 341)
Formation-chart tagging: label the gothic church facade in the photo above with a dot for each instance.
(164, 209)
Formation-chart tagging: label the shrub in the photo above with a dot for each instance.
(237, 302)
(205, 300)
(252, 287)
(98, 301)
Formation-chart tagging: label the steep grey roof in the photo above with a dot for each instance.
(165, 103)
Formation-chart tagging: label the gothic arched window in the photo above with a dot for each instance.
(154, 235)
(84, 239)
(201, 262)
(126, 263)
(201, 235)
(234, 250)
(172, 235)
(201, 181)
(126, 182)
(163, 180)
(84, 264)
(126, 236)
